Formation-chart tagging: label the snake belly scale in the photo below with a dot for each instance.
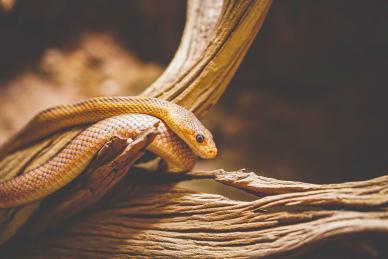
(181, 137)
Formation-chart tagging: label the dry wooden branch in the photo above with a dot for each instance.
(216, 38)
(154, 220)
(100, 177)
(371, 193)
(145, 215)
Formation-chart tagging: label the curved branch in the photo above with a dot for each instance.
(217, 36)
(153, 220)
(145, 216)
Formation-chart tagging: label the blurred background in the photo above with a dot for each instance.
(309, 102)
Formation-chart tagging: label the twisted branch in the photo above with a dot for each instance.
(110, 213)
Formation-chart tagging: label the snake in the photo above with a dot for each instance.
(181, 137)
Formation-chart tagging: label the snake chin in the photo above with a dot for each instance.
(212, 153)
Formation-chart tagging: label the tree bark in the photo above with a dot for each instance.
(161, 220)
(111, 211)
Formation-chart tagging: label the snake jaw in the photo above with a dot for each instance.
(188, 128)
(207, 149)
(208, 146)
(209, 152)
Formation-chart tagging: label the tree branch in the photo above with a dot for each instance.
(109, 213)
(150, 219)
(216, 38)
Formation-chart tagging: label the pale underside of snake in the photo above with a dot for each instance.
(180, 137)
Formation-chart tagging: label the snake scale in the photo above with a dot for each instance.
(181, 137)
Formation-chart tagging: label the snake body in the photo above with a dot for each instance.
(179, 124)
(178, 119)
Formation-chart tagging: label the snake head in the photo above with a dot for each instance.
(205, 146)
(194, 133)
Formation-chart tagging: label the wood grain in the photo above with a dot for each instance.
(108, 212)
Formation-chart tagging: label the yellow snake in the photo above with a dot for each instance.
(124, 117)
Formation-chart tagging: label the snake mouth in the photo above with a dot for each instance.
(209, 153)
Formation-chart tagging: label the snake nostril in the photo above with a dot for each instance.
(212, 153)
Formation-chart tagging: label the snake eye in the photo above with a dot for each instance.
(200, 138)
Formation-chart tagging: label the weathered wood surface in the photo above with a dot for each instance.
(148, 218)
(108, 212)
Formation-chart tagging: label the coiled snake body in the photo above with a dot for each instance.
(115, 117)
